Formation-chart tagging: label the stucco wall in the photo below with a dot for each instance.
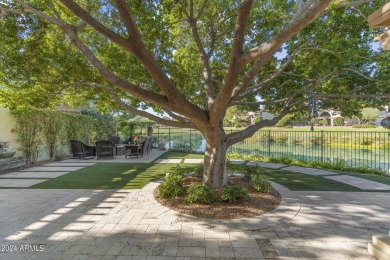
(7, 123)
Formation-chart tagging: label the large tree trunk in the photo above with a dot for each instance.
(215, 173)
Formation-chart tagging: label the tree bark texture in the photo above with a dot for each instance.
(215, 173)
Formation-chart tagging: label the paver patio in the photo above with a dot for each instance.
(131, 224)
(360, 183)
(267, 165)
(310, 171)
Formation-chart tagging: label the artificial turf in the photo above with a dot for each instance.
(180, 155)
(305, 182)
(109, 176)
(135, 176)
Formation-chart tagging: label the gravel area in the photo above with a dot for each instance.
(257, 203)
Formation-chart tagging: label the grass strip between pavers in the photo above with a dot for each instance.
(109, 176)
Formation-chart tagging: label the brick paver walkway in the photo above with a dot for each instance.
(130, 224)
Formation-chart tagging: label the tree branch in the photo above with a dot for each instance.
(127, 19)
(359, 73)
(257, 103)
(176, 100)
(255, 89)
(234, 66)
(374, 96)
(133, 110)
(253, 72)
(236, 137)
(177, 117)
(110, 76)
(207, 73)
(305, 16)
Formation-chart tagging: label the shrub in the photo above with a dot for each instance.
(261, 184)
(338, 121)
(266, 138)
(323, 122)
(366, 142)
(198, 170)
(230, 167)
(283, 160)
(180, 170)
(294, 140)
(317, 140)
(232, 194)
(172, 187)
(199, 193)
(281, 139)
(251, 170)
(364, 126)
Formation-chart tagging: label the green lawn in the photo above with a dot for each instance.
(301, 182)
(326, 129)
(108, 176)
(376, 178)
(305, 182)
(135, 176)
(180, 155)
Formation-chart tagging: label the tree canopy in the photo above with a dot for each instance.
(192, 59)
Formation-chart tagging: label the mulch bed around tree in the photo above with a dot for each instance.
(257, 203)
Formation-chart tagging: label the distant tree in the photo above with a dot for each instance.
(123, 127)
(386, 123)
(369, 114)
(231, 113)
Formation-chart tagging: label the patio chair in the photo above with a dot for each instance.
(150, 145)
(80, 150)
(144, 146)
(115, 139)
(154, 144)
(105, 149)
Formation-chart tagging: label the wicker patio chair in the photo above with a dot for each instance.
(105, 149)
(144, 146)
(80, 150)
(115, 139)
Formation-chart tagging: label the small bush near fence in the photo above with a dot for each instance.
(364, 126)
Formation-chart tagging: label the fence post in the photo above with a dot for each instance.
(322, 145)
(190, 141)
(269, 143)
(169, 138)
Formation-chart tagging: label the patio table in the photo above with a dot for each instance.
(132, 150)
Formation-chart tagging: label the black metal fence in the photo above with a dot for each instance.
(351, 148)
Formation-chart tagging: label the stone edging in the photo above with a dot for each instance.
(287, 210)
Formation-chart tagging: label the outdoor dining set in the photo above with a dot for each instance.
(111, 147)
